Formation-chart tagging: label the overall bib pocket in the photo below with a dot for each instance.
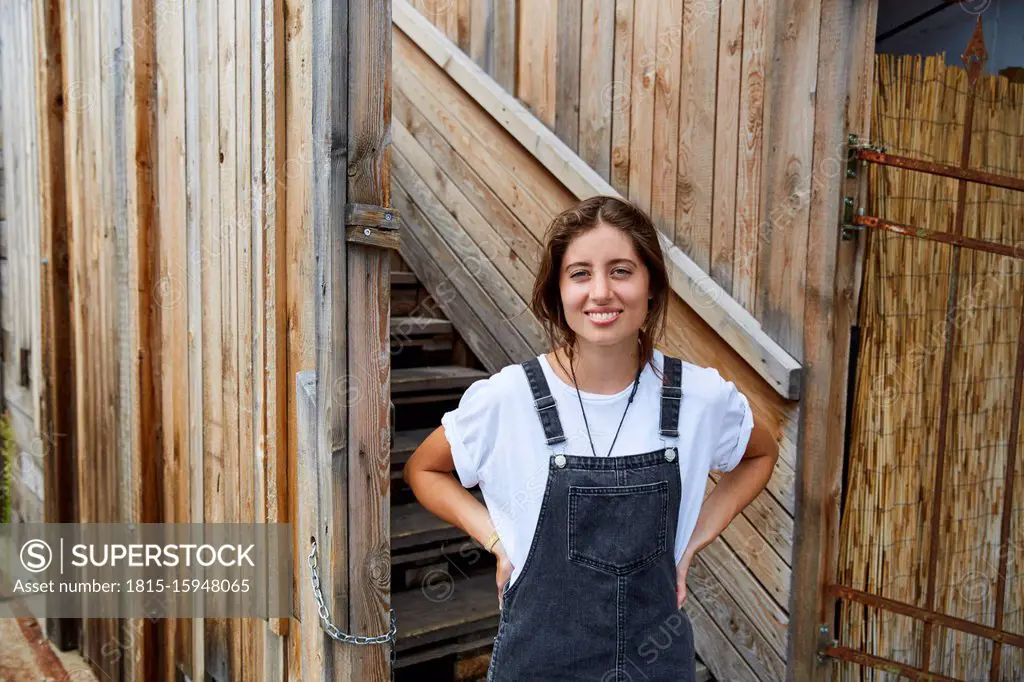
(618, 529)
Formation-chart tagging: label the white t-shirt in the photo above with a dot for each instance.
(498, 442)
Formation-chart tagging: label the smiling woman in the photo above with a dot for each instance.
(592, 554)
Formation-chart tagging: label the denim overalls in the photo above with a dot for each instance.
(596, 599)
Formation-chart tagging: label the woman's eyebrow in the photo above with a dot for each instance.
(611, 262)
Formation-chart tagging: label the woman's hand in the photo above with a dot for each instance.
(682, 568)
(504, 571)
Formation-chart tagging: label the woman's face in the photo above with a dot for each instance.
(604, 286)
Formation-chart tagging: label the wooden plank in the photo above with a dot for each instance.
(70, 46)
(828, 316)
(642, 78)
(528, 189)
(412, 525)
(297, 241)
(721, 656)
(665, 143)
(207, 300)
(434, 378)
(227, 235)
(758, 21)
(447, 297)
(567, 77)
(407, 326)
(697, 131)
(621, 94)
(791, 98)
(472, 607)
(754, 550)
(463, 24)
(314, 521)
(246, 106)
(481, 38)
(56, 352)
(738, 328)
(774, 524)
(726, 144)
(369, 182)
(473, 181)
(505, 41)
(197, 212)
(330, 68)
(477, 245)
(732, 625)
(492, 317)
(753, 600)
(597, 48)
(170, 294)
(538, 49)
(275, 363)
(125, 293)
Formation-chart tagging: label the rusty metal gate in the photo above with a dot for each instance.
(930, 585)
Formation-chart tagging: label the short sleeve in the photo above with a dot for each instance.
(472, 429)
(737, 423)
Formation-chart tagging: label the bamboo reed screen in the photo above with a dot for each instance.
(919, 109)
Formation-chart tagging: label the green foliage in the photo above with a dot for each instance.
(7, 455)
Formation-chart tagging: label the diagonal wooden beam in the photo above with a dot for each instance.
(737, 327)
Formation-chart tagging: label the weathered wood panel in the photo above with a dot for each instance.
(154, 135)
(25, 218)
(671, 112)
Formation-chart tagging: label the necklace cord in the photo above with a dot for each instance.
(636, 385)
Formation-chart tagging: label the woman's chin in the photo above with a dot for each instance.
(606, 335)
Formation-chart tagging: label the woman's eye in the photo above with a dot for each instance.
(622, 270)
(578, 272)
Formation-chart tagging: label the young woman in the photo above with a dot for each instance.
(592, 460)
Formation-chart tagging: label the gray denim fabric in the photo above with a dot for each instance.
(596, 599)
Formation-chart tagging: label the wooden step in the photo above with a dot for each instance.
(434, 378)
(446, 610)
(413, 526)
(430, 653)
(400, 277)
(410, 325)
(403, 446)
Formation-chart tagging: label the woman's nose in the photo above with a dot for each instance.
(599, 289)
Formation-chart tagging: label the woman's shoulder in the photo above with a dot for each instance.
(503, 385)
(697, 381)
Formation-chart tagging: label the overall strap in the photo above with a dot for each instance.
(543, 401)
(671, 394)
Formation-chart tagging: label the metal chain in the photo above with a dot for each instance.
(332, 629)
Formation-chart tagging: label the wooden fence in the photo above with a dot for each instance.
(158, 281)
(931, 520)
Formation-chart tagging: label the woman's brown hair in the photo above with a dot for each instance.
(566, 226)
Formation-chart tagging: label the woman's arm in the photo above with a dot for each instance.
(429, 473)
(736, 489)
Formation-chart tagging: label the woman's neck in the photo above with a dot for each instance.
(599, 369)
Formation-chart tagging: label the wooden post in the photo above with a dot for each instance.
(843, 105)
(351, 139)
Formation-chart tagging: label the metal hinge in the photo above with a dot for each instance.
(825, 640)
(372, 225)
(848, 228)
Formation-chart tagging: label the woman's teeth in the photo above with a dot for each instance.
(603, 317)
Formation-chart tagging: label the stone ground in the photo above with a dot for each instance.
(27, 656)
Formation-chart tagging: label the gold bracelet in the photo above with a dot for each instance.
(492, 540)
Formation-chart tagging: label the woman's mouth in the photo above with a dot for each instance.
(603, 318)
